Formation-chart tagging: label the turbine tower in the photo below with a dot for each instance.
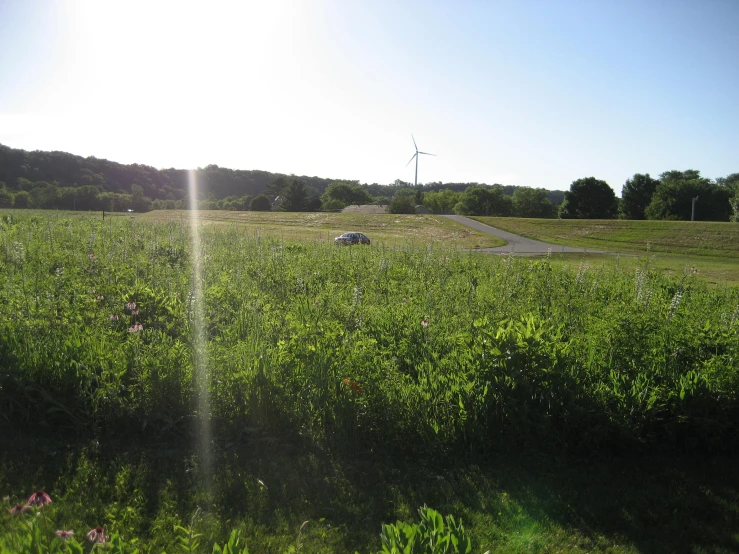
(415, 182)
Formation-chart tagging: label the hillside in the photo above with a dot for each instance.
(22, 170)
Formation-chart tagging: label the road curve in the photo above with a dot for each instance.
(516, 243)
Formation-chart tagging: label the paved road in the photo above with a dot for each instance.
(516, 243)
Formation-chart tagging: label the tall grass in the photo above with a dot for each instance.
(412, 350)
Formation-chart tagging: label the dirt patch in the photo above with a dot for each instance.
(365, 209)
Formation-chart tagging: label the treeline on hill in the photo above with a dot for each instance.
(58, 180)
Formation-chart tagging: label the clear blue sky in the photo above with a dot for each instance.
(534, 93)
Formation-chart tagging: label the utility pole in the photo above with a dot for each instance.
(692, 213)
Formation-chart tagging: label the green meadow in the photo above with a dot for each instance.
(314, 397)
(687, 238)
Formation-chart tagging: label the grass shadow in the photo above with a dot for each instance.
(510, 502)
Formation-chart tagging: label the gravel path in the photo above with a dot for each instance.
(516, 243)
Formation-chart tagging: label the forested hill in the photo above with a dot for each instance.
(21, 170)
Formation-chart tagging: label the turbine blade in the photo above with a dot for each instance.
(414, 142)
(427, 153)
(409, 161)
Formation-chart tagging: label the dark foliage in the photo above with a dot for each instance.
(589, 198)
(636, 195)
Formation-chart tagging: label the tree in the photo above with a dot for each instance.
(478, 200)
(295, 197)
(734, 203)
(260, 203)
(589, 198)
(347, 193)
(313, 203)
(332, 205)
(530, 202)
(673, 198)
(139, 202)
(22, 199)
(441, 202)
(636, 195)
(87, 198)
(277, 186)
(45, 195)
(6, 198)
(402, 204)
(731, 182)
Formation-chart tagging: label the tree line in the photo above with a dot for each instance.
(58, 180)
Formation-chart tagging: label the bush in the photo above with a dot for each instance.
(260, 203)
(404, 204)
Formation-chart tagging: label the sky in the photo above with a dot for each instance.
(526, 93)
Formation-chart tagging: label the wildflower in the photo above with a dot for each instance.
(405, 299)
(6, 499)
(91, 256)
(114, 317)
(64, 535)
(18, 508)
(100, 297)
(134, 312)
(131, 306)
(40, 498)
(135, 328)
(425, 323)
(675, 304)
(97, 535)
(353, 385)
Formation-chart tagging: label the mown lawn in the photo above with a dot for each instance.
(698, 238)
(383, 229)
(714, 271)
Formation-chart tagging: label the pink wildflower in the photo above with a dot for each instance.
(134, 312)
(18, 508)
(40, 498)
(135, 328)
(91, 256)
(64, 535)
(405, 299)
(114, 317)
(100, 297)
(131, 306)
(425, 323)
(97, 535)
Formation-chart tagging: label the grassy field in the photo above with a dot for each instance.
(699, 238)
(553, 408)
(384, 229)
(714, 271)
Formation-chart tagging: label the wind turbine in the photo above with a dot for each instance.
(415, 183)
